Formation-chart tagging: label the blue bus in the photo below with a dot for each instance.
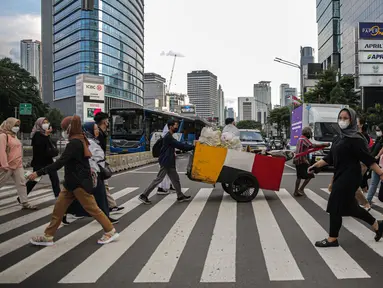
(135, 130)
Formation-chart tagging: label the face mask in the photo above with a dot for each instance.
(343, 124)
(65, 135)
(45, 126)
(379, 134)
(15, 129)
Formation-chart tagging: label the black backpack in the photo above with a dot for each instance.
(156, 150)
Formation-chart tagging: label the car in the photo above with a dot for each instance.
(252, 138)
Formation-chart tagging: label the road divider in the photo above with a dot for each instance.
(124, 162)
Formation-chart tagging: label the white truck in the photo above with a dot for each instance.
(323, 120)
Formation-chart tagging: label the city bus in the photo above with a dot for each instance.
(135, 130)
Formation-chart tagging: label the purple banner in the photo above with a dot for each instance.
(371, 30)
(296, 125)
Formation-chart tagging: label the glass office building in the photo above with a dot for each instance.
(329, 35)
(97, 37)
(353, 12)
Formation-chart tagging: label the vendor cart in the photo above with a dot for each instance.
(241, 173)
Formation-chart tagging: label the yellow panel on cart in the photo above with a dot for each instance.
(207, 163)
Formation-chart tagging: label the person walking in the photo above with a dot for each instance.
(347, 151)
(302, 163)
(97, 159)
(102, 122)
(167, 162)
(376, 151)
(78, 184)
(166, 184)
(43, 153)
(11, 161)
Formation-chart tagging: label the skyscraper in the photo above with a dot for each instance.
(154, 91)
(282, 93)
(30, 58)
(246, 108)
(96, 37)
(202, 91)
(221, 105)
(329, 33)
(262, 95)
(286, 93)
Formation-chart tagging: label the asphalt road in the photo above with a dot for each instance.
(209, 242)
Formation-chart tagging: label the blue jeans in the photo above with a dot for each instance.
(373, 186)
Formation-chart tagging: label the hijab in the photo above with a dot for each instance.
(38, 127)
(7, 125)
(88, 128)
(73, 124)
(352, 130)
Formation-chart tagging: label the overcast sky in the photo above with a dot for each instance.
(237, 41)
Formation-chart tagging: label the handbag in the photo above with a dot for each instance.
(52, 150)
(105, 172)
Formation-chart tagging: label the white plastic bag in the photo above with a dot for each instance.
(210, 137)
(230, 141)
(165, 184)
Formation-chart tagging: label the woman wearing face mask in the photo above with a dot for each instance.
(376, 151)
(11, 162)
(98, 158)
(43, 153)
(347, 151)
(78, 184)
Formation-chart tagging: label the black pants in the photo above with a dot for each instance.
(55, 181)
(336, 220)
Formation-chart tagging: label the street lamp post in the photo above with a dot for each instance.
(279, 60)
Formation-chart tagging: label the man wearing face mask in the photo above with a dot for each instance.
(167, 161)
(302, 163)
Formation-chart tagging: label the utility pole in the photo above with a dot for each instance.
(15, 111)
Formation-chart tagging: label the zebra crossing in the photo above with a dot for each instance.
(200, 242)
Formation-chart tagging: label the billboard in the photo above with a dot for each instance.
(373, 80)
(296, 125)
(370, 57)
(370, 69)
(91, 109)
(188, 109)
(94, 91)
(370, 30)
(370, 45)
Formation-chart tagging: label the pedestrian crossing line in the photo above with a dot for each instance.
(6, 187)
(18, 207)
(21, 240)
(35, 262)
(102, 259)
(220, 262)
(31, 217)
(365, 234)
(280, 262)
(163, 261)
(337, 259)
(5, 201)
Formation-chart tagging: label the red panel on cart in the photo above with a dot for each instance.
(269, 171)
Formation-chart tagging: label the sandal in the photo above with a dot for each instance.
(29, 206)
(325, 243)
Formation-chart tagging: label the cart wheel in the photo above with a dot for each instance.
(225, 187)
(244, 189)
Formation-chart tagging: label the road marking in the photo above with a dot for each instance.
(18, 207)
(162, 263)
(291, 167)
(280, 262)
(92, 268)
(339, 262)
(5, 201)
(352, 225)
(220, 262)
(32, 264)
(6, 187)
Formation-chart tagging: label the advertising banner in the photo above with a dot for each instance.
(373, 68)
(370, 57)
(371, 30)
(91, 109)
(372, 81)
(370, 45)
(94, 91)
(296, 125)
(188, 109)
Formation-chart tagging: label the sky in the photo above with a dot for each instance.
(237, 42)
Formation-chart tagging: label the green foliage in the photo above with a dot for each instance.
(18, 86)
(373, 115)
(249, 124)
(55, 117)
(280, 117)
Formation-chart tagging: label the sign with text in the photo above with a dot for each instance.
(371, 57)
(91, 109)
(94, 91)
(370, 45)
(370, 68)
(296, 125)
(188, 109)
(371, 30)
(25, 109)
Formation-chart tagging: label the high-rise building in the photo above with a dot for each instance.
(262, 96)
(282, 88)
(221, 105)
(175, 101)
(202, 91)
(95, 37)
(246, 108)
(329, 33)
(286, 93)
(352, 12)
(30, 58)
(230, 113)
(154, 91)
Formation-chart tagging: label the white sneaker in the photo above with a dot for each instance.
(108, 237)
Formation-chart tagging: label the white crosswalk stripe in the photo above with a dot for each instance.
(219, 264)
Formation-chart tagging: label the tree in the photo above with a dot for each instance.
(249, 124)
(18, 86)
(55, 117)
(280, 117)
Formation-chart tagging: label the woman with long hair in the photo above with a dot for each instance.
(347, 151)
(78, 184)
(11, 159)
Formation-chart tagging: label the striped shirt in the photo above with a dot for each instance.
(303, 145)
